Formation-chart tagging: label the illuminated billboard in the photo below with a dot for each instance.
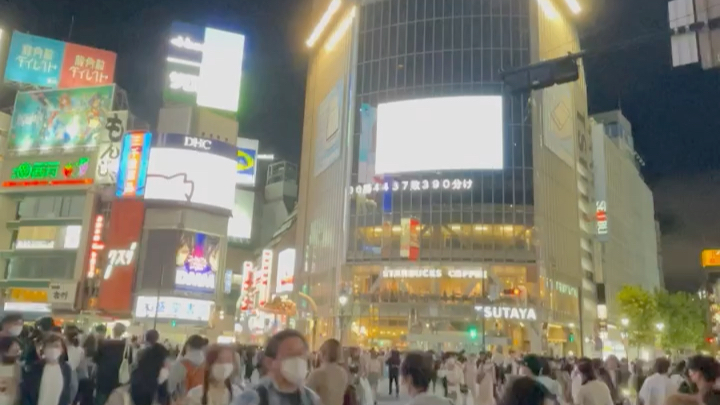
(45, 172)
(240, 224)
(132, 166)
(435, 134)
(285, 271)
(192, 170)
(247, 157)
(204, 66)
(50, 63)
(109, 143)
(186, 309)
(327, 132)
(66, 119)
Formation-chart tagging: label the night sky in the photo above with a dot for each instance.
(675, 112)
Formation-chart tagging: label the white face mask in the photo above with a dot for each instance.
(195, 356)
(15, 330)
(294, 369)
(52, 353)
(163, 376)
(221, 372)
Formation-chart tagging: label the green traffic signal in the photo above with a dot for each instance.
(473, 332)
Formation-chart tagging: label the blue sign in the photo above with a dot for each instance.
(182, 141)
(34, 60)
(132, 168)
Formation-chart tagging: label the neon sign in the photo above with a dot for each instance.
(96, 245)
(507, 312)
(49, 173)
(601, 217)
(133, 164)
(119, 257)
(263, 276)
(412, 185)
(246, 287)
(434, 273)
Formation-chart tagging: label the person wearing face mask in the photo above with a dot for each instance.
(9, 370)
(217, 387)
(189, 371)
(148, 382)
(50, 381)
(12, 325)
(286, 355)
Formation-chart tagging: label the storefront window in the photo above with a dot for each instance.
(51, 267)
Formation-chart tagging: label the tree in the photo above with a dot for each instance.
(639, 307)
(684, 319)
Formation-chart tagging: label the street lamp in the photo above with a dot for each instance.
(342, 300)
(625, 322)
(660, 326)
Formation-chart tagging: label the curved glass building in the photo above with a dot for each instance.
(481, 237)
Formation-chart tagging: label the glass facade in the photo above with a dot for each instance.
(412, 49)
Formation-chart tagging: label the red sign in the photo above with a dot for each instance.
(121, 255)
(84, 67)
(96, 245)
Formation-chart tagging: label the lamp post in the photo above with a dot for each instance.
(624, 335)
(342, 300)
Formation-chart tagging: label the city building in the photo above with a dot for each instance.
(437, 209)
(626, 225)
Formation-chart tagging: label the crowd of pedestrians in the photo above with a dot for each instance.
(48, 365)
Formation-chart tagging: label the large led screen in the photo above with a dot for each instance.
(191, 176)
(240, 224)
(433, 134)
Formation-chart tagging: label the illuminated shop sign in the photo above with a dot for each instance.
(132, 169)
(412, 185)
(601, 217)
(96, 245)
(50, 173)
(523, 314)
(173, 308)
(34, 244)
(566, 289)
(197, 258)
(434, 273)
(247, 287)
(285, 271)
(120, 257)
(262, 277)
(197, 143)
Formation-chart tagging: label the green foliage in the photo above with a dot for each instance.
(684, 318)
(638, 306)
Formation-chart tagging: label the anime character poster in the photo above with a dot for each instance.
(67, 119)
(196, 261)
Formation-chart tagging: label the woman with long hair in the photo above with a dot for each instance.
(593, 391)
(217, 387)
(148, 382)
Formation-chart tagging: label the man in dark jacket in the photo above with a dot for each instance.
(50, 381)
(108, 358)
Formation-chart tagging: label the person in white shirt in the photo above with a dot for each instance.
(592, 390)
(658, 387)
(678, 376)
(49, 381)
(217, 389)
(374, 369)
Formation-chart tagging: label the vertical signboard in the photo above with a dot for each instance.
(600, 171)
(262, 277)
(123, 236)
(34, 60)
(247, 161)
(109, 148)
(409, 238)
(327, 131)
(96, 245)
(285, 281)
(83, 66)
(366, 149)
(67, 119)
(247, 287)
(132, 168)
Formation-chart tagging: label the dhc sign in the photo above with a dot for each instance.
(198, 143)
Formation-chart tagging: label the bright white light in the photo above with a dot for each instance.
(574, 6)
(432, 134)
(340, 31)
(548, 9)
(72, 236)
(285, 271)
(186, 175)
(240, 224)
(625, 322)
(173, 308)
(324, 21)
(183, 62)
(221, 70)
(343, 300)
(660, 326)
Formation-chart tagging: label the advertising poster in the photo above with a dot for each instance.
(132, 166)
(34, 60)
(240, 224)
(196, 262)
(192, 170)
(41, 171)
(186, 309)
(558, 121)
(366, 147)
(109, 141)
(67, 119)
(284, 283)
(247, 161)
(120, 255)
(83, 66)
(327, 133)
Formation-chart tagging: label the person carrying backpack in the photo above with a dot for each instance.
(188, 371)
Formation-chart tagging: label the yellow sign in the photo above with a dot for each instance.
(710, 258)
(28, 295)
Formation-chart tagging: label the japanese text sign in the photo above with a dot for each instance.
(132, 169)
(34, 60)
(83, 66)
(73, 171)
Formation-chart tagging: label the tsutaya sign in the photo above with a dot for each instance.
(412, 185)
(524, 314)
(434, 273)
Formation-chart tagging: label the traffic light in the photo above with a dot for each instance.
(710, 340)
(571, 337)
(473, 332)
(515, 292)
(173, 323)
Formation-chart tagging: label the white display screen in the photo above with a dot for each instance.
(173, 308)
(191, 176)
(285, 271)
(221, 70)
(434, 134)
(240, 224)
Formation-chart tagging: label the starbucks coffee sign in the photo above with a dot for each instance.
(523, 314)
